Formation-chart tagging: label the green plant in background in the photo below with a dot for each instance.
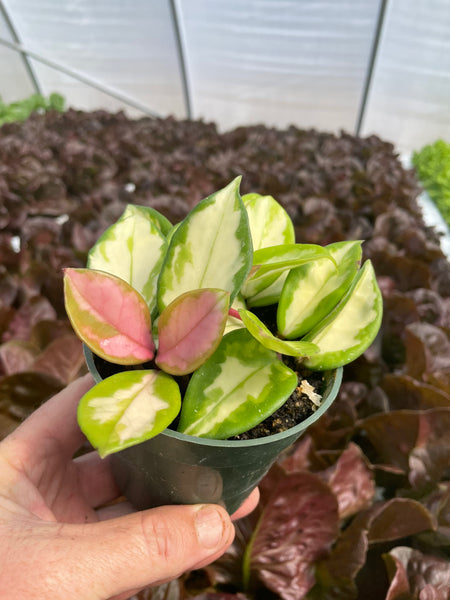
(432, 164)
(22, 109)
(186, 299)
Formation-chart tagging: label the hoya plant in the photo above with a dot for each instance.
(217, 303)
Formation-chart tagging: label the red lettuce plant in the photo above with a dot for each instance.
(194, 281)
(65, 177)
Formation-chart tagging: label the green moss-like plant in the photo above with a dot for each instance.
(432, 164)
(22, 109)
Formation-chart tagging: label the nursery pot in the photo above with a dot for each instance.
(175, 468)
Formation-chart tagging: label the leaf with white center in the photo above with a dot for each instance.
(270, 263)
(127, 409)
(270, 225)
(351, 326)
(109, 316)
(261, 333)
(190, 329)
(312, 290)
(211, 248)
(240, 385)
(133, 249)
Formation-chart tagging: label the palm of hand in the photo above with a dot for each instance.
(59, 540)
(43, 480)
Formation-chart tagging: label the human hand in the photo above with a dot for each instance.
(56, 542)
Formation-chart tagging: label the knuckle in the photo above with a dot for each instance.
(162, 540)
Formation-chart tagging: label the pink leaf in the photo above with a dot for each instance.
(109, 315)
(190, 329)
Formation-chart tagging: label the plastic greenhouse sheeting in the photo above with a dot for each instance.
(378, 67)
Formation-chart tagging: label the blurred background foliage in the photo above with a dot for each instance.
(22, 109)
(432, 164)
(360, 506)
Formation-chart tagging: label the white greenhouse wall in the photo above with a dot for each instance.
(278, 62)
(365, 66)
(15, 82)
(127, 47)
(409, 99)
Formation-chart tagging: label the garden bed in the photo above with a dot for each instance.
(365, 494)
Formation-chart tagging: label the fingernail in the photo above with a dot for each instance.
(210, 526)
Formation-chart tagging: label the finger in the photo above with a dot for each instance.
(142, 549)
(247, 506)
(114, 511)
(129, 595)
(53, 424)
(96, 481)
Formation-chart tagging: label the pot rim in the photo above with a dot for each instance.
(293, 432)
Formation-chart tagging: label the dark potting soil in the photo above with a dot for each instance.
(296, 409)
(106, 369)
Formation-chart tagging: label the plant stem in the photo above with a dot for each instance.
(247, 558)
(234, 313)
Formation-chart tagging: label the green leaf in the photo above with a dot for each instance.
(270, 225)
(133, 249)
(260, 332)
(128, 408)
(190, 329)
(169, 234)
(109, 315)
(270, 263)
(162, 222)
(210, 249)
(240, 385)
(432, 165)
(312, 290)
(56, 102)
(351, 326)
(269, 295)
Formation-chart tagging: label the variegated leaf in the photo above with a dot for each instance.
(312, 290)
(128, 408)
(210, 249)
(240, 385)
(170, 233)
(109, 315)
(190, 329)
(351, 326)
(270, 225)
(261, 333)
(270, 263)
(133, 249)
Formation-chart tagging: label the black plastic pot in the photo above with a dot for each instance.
(175, 468)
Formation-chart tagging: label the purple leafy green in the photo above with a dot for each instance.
(66, 177)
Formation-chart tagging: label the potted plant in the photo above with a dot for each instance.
(199, 332)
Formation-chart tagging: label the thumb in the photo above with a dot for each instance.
(144, 548)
